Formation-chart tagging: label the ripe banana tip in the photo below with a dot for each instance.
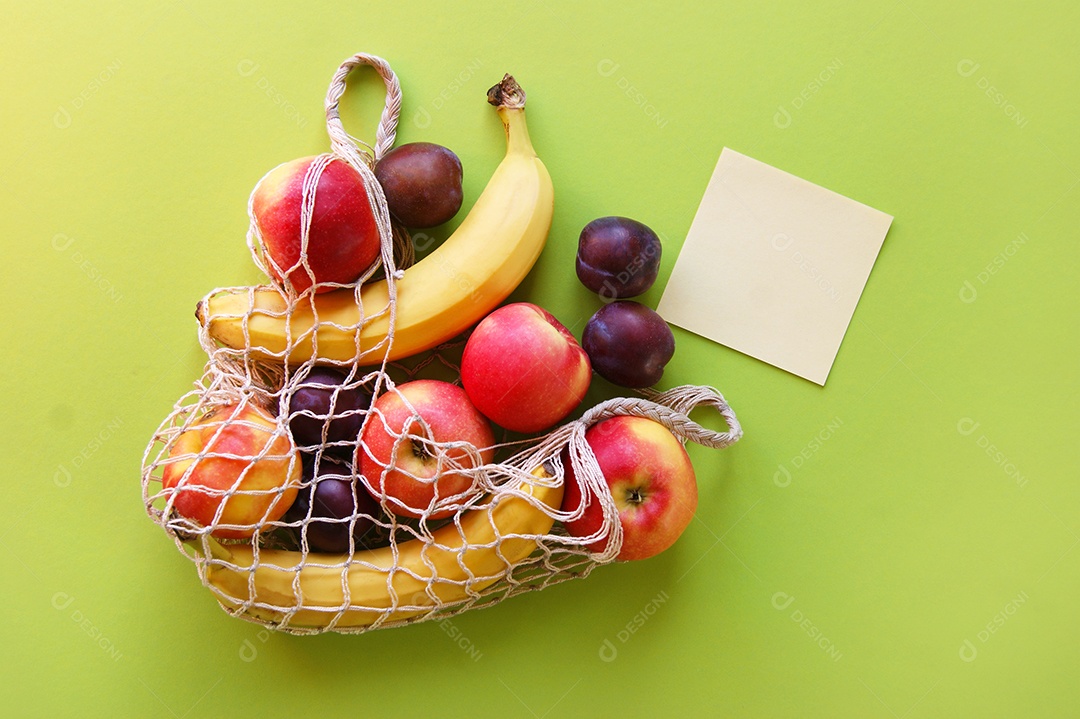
(200, 312)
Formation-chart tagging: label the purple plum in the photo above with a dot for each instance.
(628, 344)
(617, 257)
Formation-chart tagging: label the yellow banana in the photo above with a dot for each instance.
(383, 582)
(444, 294)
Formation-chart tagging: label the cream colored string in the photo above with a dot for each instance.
(356, 153)
(227, 376)
(671, 409)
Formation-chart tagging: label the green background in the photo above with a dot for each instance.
(902, 542)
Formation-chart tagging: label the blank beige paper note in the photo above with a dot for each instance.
(773, 266)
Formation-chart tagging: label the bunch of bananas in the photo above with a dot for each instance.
(389, 585)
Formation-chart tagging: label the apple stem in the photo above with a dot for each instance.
(420, 450)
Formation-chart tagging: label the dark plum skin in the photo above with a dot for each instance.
(617, 257)
(628, 344)
(422, 183)
(331, 495)
(313, 403)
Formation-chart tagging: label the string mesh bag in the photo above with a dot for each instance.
(232, 482)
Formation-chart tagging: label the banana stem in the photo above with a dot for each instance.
(509, 99)
(508, 93)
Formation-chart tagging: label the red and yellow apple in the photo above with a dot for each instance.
(238, 457)
(343, 239)
(651, 479)
(397, 457)
(523, 369)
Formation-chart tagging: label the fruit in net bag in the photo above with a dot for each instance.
(651, 479)
(500, 542)
(329, 505)
(325, 401)
(398, 454)
(236, 450)
(326, 198)
(389, 583)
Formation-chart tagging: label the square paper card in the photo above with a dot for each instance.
(773, 266)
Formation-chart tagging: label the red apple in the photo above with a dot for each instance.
(651, 479)
(523, 369)
(415, 480)
(343, 239)
(262, 470)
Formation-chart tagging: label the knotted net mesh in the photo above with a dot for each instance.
(284, 504)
